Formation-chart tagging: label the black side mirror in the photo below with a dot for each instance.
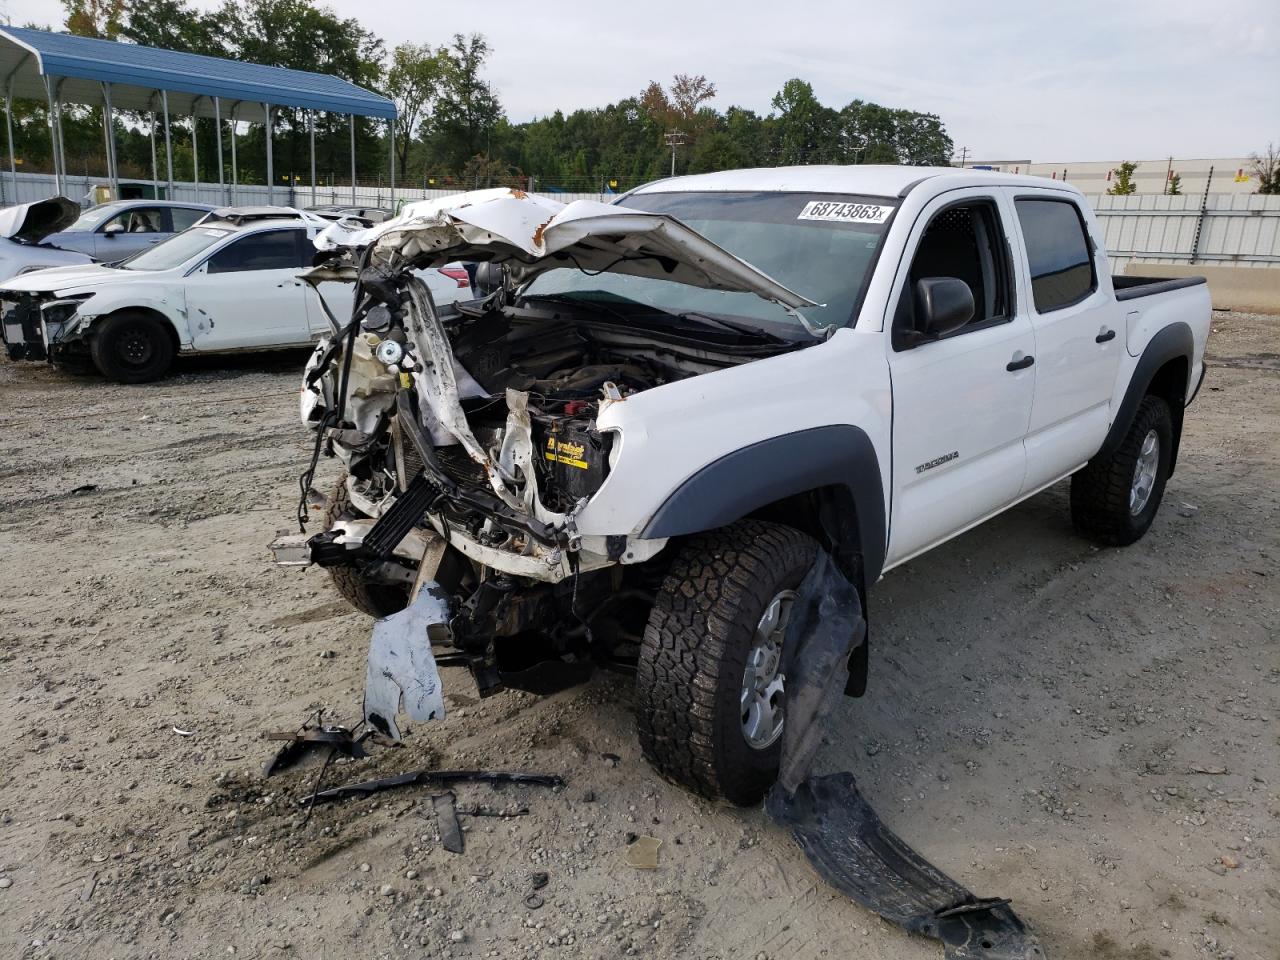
(943, 304)
(487, 278)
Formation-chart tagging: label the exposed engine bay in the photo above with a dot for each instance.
(474, 437)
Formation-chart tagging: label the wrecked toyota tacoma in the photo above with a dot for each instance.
(631, 453)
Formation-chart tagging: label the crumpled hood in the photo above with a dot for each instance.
(534, 234)
(57, 279)
(32, 222)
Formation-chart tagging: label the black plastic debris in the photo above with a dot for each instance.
(447, 822)
(837, 829)
(413, 777)
(307, 739)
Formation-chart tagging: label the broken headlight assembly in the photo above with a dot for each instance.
(59, 316)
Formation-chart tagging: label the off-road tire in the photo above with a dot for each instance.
(689, 676)
(378, 600)
(1100, 491)
(132, 347)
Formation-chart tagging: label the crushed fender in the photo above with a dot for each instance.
(401, 665)
(839, 832)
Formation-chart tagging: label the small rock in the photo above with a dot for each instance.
(457, 936)
(1187, 509)
(365, 868)
(5, 883)
(1228, 861)
(589, 797)
(1126, 905)
(411, 874)
(387, 890)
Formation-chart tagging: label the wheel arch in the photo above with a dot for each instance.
(1163, 370)
(166, 322)
(824, 480)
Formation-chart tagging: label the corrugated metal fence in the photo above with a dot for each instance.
(1221, 229)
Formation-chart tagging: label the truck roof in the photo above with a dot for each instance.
(877, 180)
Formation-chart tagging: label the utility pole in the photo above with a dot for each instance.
(964, 155)
(674, 138)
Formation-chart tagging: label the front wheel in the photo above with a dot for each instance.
(378, 600)
(1114, 499)
(710, 694)
(132, 347)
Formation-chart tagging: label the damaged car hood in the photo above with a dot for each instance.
(32, 222)
(531, 235)
(58, 279)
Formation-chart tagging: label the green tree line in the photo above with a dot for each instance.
(452, 129)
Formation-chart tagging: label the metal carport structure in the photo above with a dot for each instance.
(60, 68)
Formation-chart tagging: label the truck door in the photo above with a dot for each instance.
(247, 294)
(962, 403)
(1079, 334)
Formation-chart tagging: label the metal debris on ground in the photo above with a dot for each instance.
(643, 853)
(533, 901)
(447, 821)
(308, 738)
(438, 777)
(401, 666)
(839, 832)
(184, 733)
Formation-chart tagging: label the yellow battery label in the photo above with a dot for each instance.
(563, 451)
(406, 381)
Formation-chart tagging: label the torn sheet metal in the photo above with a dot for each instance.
(308, 739)
(837, 829)
(532, 234)
(401, 665)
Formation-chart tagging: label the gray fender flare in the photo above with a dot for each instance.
(752, 477)
(1172, 343)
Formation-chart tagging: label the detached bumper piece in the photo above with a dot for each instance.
(830, 819)
(857, 854)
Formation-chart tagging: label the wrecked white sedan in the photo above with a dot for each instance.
(633, 452)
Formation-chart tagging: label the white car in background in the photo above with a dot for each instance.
(229, 284)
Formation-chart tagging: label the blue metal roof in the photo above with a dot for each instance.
(136, 72)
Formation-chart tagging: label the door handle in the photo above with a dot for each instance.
(1105, 336)
(1019, 363)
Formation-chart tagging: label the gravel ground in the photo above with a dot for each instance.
(1092, 732)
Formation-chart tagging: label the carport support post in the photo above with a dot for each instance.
(168, 142)
(8, 122)
(155, 177)
(311, 128)
(53, 136)
(217, 122)
(353, 159)
(195, 149)
(391, 142)
(271, 172)
(235, 175)
(109, 118)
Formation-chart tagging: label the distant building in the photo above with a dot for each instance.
(1230, 174)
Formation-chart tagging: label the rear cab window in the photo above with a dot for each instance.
(1059, 252)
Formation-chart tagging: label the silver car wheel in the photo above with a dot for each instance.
(763, 684)
(1144, 473)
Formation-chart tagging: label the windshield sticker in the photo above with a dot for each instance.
(844, 212)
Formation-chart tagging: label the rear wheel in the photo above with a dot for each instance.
(376, 599)
(1114, 499)
(711, 697)
(132, 347)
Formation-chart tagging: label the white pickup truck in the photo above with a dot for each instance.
(636, 448)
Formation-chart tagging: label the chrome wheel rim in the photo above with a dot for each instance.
(1144, 473)
(763, 684)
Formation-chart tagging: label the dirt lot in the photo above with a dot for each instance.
(1090, 732)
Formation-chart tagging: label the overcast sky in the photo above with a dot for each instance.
(1123, 79)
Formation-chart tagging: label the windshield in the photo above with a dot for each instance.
(175, 251)
(822, 246)
(94, 216)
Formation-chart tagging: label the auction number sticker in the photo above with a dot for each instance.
(844, 212)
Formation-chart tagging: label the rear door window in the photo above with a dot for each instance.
(275, 250)
(1058, 253)
(184, 217)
